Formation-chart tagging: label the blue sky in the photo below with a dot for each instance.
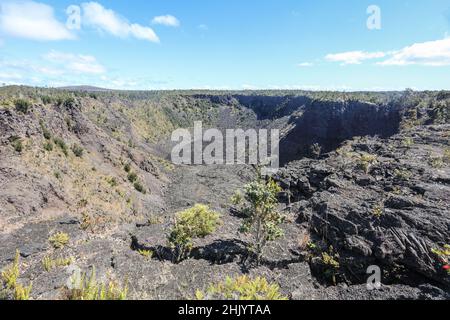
(227, 44)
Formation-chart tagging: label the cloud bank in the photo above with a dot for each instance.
(32, 20)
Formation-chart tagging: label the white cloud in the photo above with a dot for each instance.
(81, 64)
(31, 20)
(106, 20)
(167, 20)
(354, 57)
(431, 53)
(203, 27)
(305, 64)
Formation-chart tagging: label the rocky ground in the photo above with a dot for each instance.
(377, 194)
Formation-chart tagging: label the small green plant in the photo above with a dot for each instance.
(242, 288)
(112, 182)
(45, 132)
(62, 145)
(331, 263)
(127, 168)
(57, 175)
(9, 277)
(262, 219)
(436, 162)
(311, 246)
(402, 174)
(88, 288)
(408, 143)
(17, 144)
(236, 198)
(139, 187)
(365, 162)
(21, 292)
(196, 222)
(378, 211)
(48, 146)
(59, 240)
(11, 273)
(22, 105)
(77, 150)
(148, 254)
(49, 263)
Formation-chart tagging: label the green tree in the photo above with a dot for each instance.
(262, 219)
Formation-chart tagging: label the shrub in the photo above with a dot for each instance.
(440, 113)
(46, 99)
(69, 102)
(88, 288)
(9, 278)
(59, 240)
(112, 182)
(127, 167)
(365, 161)
(262, 219)
(22, 105)
(21, 292)
(402, 174)
(408, 143)
(45, 132)
(139, 187)
(11, 273)
(132, 177)
(436, 162)
(49, 263)
(330, 260)
(62, 145)
(17, 144)
(77, 150)
(196, 222)
(242, 288)
(48, 146)
(236, 198)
